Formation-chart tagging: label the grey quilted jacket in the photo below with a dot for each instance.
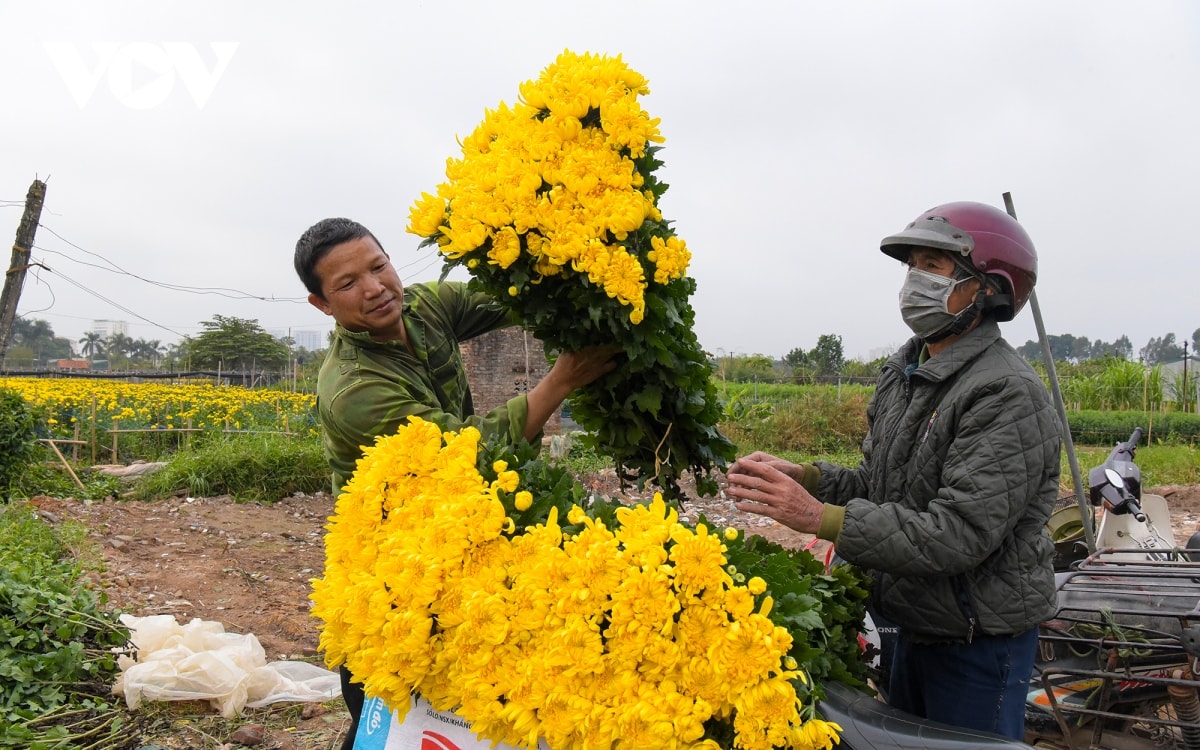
(948, 508)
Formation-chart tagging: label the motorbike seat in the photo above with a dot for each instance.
(868, 724)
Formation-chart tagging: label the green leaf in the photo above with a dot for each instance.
(649, 400)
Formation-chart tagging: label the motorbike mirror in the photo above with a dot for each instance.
(1114, 478)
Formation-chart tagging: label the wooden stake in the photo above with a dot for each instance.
(62, 458)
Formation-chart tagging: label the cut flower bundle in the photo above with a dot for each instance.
(486, 581)
(553, 209)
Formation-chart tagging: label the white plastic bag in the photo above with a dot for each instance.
(200, 661)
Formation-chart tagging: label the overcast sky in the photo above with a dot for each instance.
(798, 134)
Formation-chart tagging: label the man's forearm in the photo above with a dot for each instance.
(545, 399)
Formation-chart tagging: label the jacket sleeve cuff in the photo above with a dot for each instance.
(518, 417)
(832, 518)
(810, 478)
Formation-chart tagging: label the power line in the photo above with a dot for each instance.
(117, 305)
(423, 269)
(38, 276)
(114, 268)
(218, 291)
(108, 265)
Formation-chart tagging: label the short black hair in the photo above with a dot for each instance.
(318, 240)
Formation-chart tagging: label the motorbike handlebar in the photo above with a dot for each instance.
(1127, 448)
(1132, 443)
(1118, 480)
(1135, 508)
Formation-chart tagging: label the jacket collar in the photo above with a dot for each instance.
(363, 340)
(954, 357)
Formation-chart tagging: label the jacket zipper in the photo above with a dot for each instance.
(965, 604)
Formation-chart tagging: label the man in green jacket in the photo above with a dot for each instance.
(395, 354)
(948, 507)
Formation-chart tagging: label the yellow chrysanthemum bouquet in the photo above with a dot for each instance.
(553, 209)
(485, 580)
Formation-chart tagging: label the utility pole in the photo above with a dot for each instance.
(1183, 388)
(15, 278)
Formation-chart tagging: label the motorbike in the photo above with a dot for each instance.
(1117, 665)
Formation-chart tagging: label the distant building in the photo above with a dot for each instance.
(310, 340)
(307, 339)
(69, 364)
(1180, 374)
(106, 328)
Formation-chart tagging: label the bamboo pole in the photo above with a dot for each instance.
(92, 441)
(65, 463)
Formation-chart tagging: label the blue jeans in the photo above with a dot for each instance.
(978, 685)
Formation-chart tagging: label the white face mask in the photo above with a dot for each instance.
(925, 302)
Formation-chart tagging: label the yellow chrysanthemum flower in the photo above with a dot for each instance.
(553, 174)
(610, 634)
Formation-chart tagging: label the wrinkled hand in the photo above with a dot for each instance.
(764, 485)
(795, 471)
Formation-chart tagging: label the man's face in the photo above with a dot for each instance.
(939, 262)
(360, 289)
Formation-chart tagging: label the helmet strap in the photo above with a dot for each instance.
(998, 300)
(965, 318)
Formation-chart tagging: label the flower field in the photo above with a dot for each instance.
(92, 410)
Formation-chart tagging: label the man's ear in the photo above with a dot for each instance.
(319, 302)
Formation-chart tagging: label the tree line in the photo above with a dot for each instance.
(1075, 349)
(826, 361)
(231, 343)
(226, 343)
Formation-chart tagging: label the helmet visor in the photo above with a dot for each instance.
(934, 233)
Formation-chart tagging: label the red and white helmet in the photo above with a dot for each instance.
(984, 238)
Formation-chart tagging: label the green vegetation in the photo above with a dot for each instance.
(233, 343)
(56, 640)
(250, 468)
(18, 438)
(1160, 464)
(808, 419)
(45, 475)
(798, 422)
(1109, 427)
(807, 423)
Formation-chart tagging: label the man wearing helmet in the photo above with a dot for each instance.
(948, 507)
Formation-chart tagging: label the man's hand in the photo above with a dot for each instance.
(571, 370)
(765, 485)
(575, 369)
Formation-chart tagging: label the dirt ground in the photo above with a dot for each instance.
(248, 567)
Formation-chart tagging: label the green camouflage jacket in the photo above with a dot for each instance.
(366, 389)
